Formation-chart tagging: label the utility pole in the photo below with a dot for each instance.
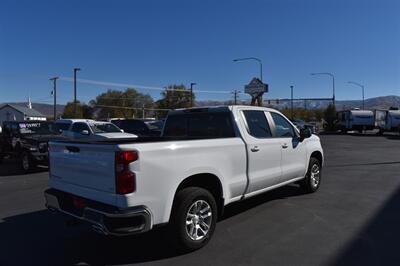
(55, 97)
(75, 101)
(143, 111)
(291, 102)
(191, 93)
(235, 96)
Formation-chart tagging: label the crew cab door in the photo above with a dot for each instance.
(264, 151)
(294, 153)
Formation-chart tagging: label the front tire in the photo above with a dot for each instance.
(193, 218)
(27, 163)
(312, 181)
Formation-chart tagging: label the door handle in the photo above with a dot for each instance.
(255, 149)
(284, 145)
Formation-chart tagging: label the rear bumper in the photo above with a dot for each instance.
(105, 219)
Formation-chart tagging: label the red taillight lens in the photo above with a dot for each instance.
(125, 180)
(78, 202)
(126, 156)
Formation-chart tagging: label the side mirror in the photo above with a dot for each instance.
(305, 133)
(122, 131)
(85, 132)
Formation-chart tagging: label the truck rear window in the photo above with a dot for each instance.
(201, 125)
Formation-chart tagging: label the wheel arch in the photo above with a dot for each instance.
(208, 181)
(317, 155)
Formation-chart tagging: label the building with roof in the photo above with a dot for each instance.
(15, 112)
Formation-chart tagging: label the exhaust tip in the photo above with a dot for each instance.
(100, 230)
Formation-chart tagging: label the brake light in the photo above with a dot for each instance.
(125, 180)
(78, 202)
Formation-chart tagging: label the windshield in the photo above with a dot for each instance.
(37, 128)
(155, 125)
(63, 126)
(104, 128)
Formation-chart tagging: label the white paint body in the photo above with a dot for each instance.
(356, 119)
(162, 166)
(388, 120)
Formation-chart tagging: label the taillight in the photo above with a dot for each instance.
(125, 180)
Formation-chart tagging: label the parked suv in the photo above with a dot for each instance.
(27, 140)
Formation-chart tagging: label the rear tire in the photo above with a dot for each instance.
(193, 218)
(312, 181)
(27, 163)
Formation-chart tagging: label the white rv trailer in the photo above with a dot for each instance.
(387, 120)
(356, 120)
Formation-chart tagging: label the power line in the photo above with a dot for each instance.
(125, 85)
(131, 108)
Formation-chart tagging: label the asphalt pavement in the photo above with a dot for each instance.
(354, 219)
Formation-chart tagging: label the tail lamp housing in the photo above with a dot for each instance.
(125, 180)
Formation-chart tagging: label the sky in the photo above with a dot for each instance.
(157, 43)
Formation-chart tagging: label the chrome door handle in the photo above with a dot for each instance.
(284, 146)
(255, 149)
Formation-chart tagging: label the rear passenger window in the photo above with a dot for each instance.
(257, 124)
(176, 126)
(200, 125)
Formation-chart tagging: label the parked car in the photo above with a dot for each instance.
(302, 124)
(27, 141)
(90, 129)
(140, 127)
(205, 159)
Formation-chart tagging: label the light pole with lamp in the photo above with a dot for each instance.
(255, 59)
(362, 88)
(333, 83)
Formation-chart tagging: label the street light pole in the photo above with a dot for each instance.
(191, 93)
(362, 88)
(333, 83)
(252, 58)
(55, 97)
(291, 102)
(75, 101)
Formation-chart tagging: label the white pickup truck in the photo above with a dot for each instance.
(205, 159)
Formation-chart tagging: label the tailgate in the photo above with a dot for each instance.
(86, 165)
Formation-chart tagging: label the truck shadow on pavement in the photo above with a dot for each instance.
(9, 167)
(42, 238)
(377, 242)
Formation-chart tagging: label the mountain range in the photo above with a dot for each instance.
(382, 102)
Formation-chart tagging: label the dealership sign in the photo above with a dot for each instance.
(256, 87)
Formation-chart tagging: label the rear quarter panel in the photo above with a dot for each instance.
(163, 166)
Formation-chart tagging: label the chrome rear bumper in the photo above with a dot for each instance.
(105, 219)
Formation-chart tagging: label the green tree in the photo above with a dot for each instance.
(174, 97)
(122, 104)
(82, 111)
(330, 117)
